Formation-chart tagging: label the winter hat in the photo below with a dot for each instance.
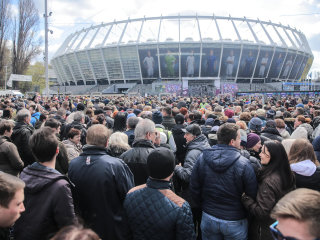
(131, 115)
(229, 113)
(136, 111)
(209, 122)
(231, 120)
(300, 105)
(271, 113)
(255, 124)
(157, 117)
(80, 107)
(193, 129)
(252, 140)
(179, 118)
(160, 163)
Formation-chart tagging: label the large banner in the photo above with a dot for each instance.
(19, 78)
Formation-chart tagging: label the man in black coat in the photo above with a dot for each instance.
(153, 210)
(101, 184)
(136, 157)
(48, 198)
(21, 134)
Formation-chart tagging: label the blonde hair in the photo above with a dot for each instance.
(98, 135)
(303, 205)
(242, 125)
(119, 139)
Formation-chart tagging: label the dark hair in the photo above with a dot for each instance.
(73, 132)
(6, 125)
(167, 110)
(9, 185)
(53, 123)
(278, 163)
(227, 132)
(43, 144)
(75, 232)
(301, 150)
(100, 118)
(132, 122)
(120, 122)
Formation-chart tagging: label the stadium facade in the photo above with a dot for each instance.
(169, 48)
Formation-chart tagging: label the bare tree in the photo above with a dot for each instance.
(5, 23)
(26, 45)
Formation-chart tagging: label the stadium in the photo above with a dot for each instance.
(183, 54)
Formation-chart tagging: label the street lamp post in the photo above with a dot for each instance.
(5, 78)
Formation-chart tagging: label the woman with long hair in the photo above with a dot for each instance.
(120, 122)
(304, 164)
(275, 179)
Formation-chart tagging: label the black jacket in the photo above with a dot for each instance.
(168, 122)
(130, 134)
(170, 219)
(311, 182)
(180, 141)
(48, 202)
(20, 137)
(101, 184)
(272, 133)
(136, 158)
(218, 180)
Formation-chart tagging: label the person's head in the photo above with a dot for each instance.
(179, 119)
(301, 150)
(166, 111)
(287, 144)
(6, 127)
(161, 163)
(298, 215)
(75, 232)
(119, 140)
(120, 122)
(78, 117)
(191, 132)
(44, 144)
(253, 142)
(11, 199)
(300, 119)
(260, 113)
(132, 122)
(54, 124)
(255, 125)
(98, 135)
(157, 117)
(23, 116)
(74, 135)
(229, 134)
(280, 125)
(274, 159)
(145, 129)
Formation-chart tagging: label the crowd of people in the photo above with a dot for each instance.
(148, 168)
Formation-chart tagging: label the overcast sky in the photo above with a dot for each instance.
(69, 16)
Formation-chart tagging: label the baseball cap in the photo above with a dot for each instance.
(193, 129)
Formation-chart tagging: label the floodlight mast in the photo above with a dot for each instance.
(46, 46)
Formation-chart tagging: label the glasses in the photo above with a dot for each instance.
(277, 235)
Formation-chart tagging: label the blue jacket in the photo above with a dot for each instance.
(218, 180)
(34, 118)
(101, 184)
(154, 212)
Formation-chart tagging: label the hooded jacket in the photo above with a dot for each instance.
(194, 149)
(218, 180)
(20, 137)
(10, 161)
(307, 174)
(136, 158)
(48, 202)
(34, 118)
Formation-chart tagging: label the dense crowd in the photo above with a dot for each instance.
(150, 168)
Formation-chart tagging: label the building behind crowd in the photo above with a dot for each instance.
(183, 51)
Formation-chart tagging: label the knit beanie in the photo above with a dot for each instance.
(255, 124)
(160, 163)
(252, 140)
(157, 117)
